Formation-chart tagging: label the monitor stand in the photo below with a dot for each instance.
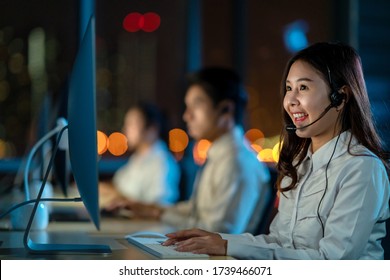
(45, 248)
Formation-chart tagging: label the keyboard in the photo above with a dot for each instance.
(153, 246)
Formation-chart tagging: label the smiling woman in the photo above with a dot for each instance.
(307, 101)
(329, 208)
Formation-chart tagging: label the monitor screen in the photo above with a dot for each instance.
(82, 132)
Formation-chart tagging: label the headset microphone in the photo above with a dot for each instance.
(293, 128)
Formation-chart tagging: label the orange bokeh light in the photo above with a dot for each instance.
(117, 144)
(256, 148)
(200, 151)
(266, 155)
(178, 140)
(255, 136)
(102, 142)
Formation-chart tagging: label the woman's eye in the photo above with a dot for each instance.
(302, 87)
(288, 88)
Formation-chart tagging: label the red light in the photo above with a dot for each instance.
(151, 22)
(148, 22)
(132, 21)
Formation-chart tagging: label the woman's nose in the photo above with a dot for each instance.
(291, 98)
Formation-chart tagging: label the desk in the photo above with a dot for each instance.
(112, 234)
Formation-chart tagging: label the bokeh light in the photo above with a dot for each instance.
(200, 151)
(265, 155)
(151, 22)
(255, 136)
(276, 152)
(7, 149)
(256, 148)
(132, 22)
(148, 22)
(2, 149)
(295, 37)
(117, 144)
(102, 142)
(178, 140)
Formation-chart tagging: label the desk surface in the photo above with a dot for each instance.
(112, 233)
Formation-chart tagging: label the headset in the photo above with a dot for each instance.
(336, 99)
(326, 186)
(225, 109)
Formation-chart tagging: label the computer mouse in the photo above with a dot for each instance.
(147, 234)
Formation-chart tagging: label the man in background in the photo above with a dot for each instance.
(232, 189)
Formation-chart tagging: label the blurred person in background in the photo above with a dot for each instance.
(232, 189)
(151, 174)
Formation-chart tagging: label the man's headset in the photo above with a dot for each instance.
(225, 109)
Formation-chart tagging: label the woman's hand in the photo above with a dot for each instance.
(197, 241)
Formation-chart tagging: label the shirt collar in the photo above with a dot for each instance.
(225, 143)
(321, 157)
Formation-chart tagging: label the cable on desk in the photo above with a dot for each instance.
(76, 199)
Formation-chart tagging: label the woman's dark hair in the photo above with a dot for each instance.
(340, 65)
(221, 84)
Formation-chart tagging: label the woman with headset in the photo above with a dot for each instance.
(333, 171)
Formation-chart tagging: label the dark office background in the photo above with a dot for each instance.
(39, 41)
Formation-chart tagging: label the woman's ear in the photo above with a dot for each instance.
(346, 91)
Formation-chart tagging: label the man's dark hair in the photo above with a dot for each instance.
(221, 84)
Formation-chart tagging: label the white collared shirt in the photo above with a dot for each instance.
(231, 192)
(152, 177)
(353, 209)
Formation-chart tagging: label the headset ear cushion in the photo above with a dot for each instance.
(336, 98)
(225, 109)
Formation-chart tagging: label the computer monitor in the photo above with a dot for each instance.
(82, 135)
(82, 130)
